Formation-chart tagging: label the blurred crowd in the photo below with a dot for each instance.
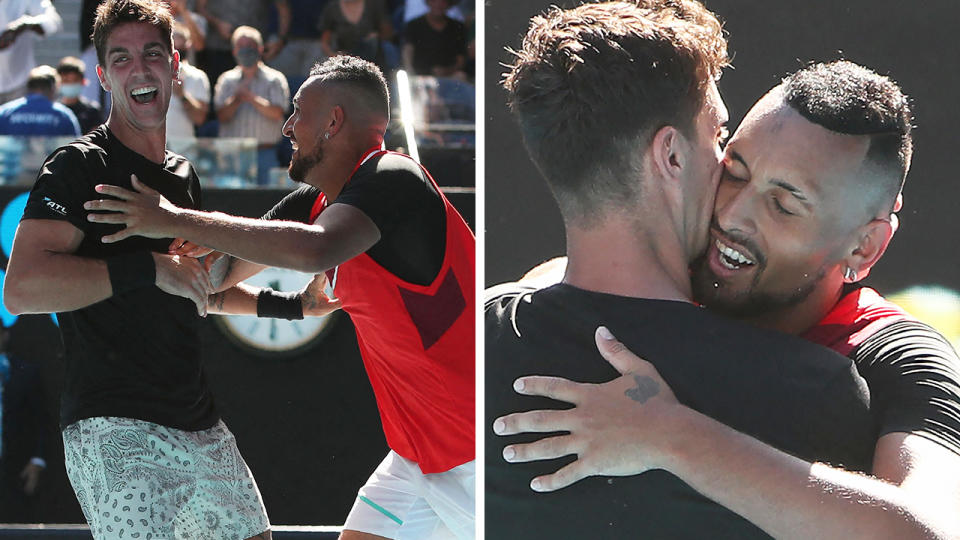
(241, 61)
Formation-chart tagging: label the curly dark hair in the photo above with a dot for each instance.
(592, 84)
(848, 98)
(360, 74)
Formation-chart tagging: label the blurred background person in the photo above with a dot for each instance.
(190, 101)
(251, 100)
(195, 24)
(223, 18)
(359, 28)
(72, 84)
(38, 113)
(436, 44)
(417, 8)
(22, 434)
(21, 22)
(294, 43)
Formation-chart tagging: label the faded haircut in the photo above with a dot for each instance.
(590, 86)
(847, 98)
(360, 75)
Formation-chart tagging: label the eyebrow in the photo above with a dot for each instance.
(792, 189)
(151, 45)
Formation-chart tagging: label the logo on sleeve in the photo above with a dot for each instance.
(56, 207)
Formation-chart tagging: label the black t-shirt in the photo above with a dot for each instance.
(789, 393)
(432, 48)
(395, 193)
(136, 354)
(87, 113)
(914, 378)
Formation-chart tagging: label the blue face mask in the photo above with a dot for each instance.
(247, 56)
(71, 90)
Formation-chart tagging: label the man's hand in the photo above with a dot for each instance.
(186, 248)
(244, 94)
(144, 212)
(31, 477)
(184, 276)
(614, 427)
(314, 299)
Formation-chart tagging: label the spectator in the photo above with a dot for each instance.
(358, 28)
(194, 22)
(436, 44)
(38, 113)
(251, 99)
(72, 82)
(22, 435)
(17, 19)
(190, 101)
(296, 46)
(416, 8)
(223, 17)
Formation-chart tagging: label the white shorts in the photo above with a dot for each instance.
(137, 479)
(401, 502)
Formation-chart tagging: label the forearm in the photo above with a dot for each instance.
(264, 107)
(238, 300)
(229, 109)
(196, 109)
(282, 244)
(53, 282)
(786, 496)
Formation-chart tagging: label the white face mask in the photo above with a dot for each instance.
(71, 90)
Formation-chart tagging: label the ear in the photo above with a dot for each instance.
(666, 155)
(176, 64)
(337, 117)
(103, 79)
(872, 241)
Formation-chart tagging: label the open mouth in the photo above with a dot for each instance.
(731, 258)
(144, 94)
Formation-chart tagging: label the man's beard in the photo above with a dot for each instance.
(300, 166)
(709, 291)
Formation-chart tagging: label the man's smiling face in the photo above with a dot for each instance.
(138, 71)
(788, 202)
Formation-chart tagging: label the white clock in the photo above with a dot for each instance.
(276, 337)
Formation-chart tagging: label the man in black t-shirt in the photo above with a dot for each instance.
(138, 419)
(790, 229)
(435, 44)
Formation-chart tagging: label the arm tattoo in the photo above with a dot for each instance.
(646, 389)
(216, 300)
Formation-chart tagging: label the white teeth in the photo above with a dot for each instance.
(732, 254)
(144, 90)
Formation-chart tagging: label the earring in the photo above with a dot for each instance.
(326, 135)
(849, 275)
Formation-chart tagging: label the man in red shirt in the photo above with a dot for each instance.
(400, 259)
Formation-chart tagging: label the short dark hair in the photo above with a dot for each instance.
(848, 98)
(71, 64)
(42, 79)
(590, 84)
(359, 74)
(112, 13)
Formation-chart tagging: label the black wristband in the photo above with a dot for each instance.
(279, 305)
(131, 271)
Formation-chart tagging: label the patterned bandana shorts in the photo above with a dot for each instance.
(137, 479)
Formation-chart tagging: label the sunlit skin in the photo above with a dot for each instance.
(792, 200)
(711, 131)
(139, 55)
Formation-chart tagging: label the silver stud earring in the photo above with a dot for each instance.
(326, 135)
(849, 275)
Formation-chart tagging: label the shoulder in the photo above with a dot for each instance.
(11, 106)
(230, 76)
(82, 152)
(63, 109)
(192, 72)
(271, 74)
